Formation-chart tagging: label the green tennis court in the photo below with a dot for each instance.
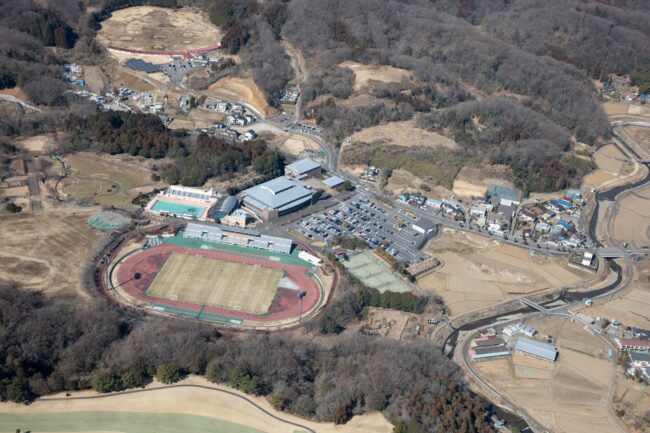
(123, 422)
(177, 208)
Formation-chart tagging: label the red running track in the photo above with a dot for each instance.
(185, 53)
(147, 263)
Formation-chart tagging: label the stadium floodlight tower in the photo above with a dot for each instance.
(301, 295)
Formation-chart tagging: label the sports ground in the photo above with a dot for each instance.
(217, 283)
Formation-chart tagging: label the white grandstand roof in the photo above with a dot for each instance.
(244, 238)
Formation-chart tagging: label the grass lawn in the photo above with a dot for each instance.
(123, 422)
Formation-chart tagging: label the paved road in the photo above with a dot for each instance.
(210, 388)
(15, 100)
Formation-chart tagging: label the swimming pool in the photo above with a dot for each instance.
(177, 208)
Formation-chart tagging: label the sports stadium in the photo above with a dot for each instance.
(220, 275)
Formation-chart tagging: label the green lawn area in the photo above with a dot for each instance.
(124, 422)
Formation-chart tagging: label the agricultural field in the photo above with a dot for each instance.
(48, 251)
(364, 74)
(213, 409)
(155, 28)
(610, 165)
(632, 401)
(477, 272)
(568, 396)
(230, 285)
(632, 308)
(106, 180)
(632, 223)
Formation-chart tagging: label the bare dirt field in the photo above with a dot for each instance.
(365, 73)
(640, 135)
(95, 78)
(568, 396)
(217, 283)
(37, 143)
(155, 28)
(633, 307)
(475, 181)
(406, 134)
(477, 271)
(632, 221)
(241, 89)
(611, 165)
(48, 251)
(16, 92)
(633, 399)
(106, 180)
(615, 108)
(200, 402)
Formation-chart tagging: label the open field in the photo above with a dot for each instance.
(640, 135)
(406, 134)
(632, 221)
(155, 28)
(633, 307)
(47, 252)
(365, 73)
(217, 283)
(475, 181)
(227, 412)
(95, 78)
(566, 397)
(477, 272)
(634, 399)
(610, 167)
(106, 180)
(241, 89)
(37, 143)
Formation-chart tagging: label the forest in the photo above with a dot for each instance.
(48, 346)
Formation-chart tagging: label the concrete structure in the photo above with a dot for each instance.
(310, 258)
(535, 349)
(303, 168)
(334, 183)
(192, 193)
(237, 218)
(277, 197)
(239, 237)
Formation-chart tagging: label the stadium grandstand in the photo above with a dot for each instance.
(238, 236)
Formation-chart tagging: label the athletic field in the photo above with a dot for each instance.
(216, 283)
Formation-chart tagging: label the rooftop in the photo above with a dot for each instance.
(333, 181)
(141, 65)
(303, 166)
(277, 193)
(536, 348)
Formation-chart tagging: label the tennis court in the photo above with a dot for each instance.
(177, 208)
(372, 272)
(216, 283)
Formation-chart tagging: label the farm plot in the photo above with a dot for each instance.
(201, 280)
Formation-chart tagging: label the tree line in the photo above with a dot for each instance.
(50, 346)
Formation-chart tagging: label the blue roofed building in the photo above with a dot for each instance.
(544, 351)
(277, 197)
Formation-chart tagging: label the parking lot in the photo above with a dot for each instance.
(177, 69)
(305, 129)
(370, 221)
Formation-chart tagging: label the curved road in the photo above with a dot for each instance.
(210, 388)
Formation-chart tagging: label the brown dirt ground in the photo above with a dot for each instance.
(610, 167)
(475, 181)
(37, 143)
(632, 221)
(204, 403)
(478, 272)
(633, 307)
(47, 252)
(634, 399)
(16, 92)
(566, 397)
(241, 89)
(615, 108)
(155, 28)
(95, 78)
(365, 73)
(406, 134)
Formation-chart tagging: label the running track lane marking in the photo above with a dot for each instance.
(209, 388)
